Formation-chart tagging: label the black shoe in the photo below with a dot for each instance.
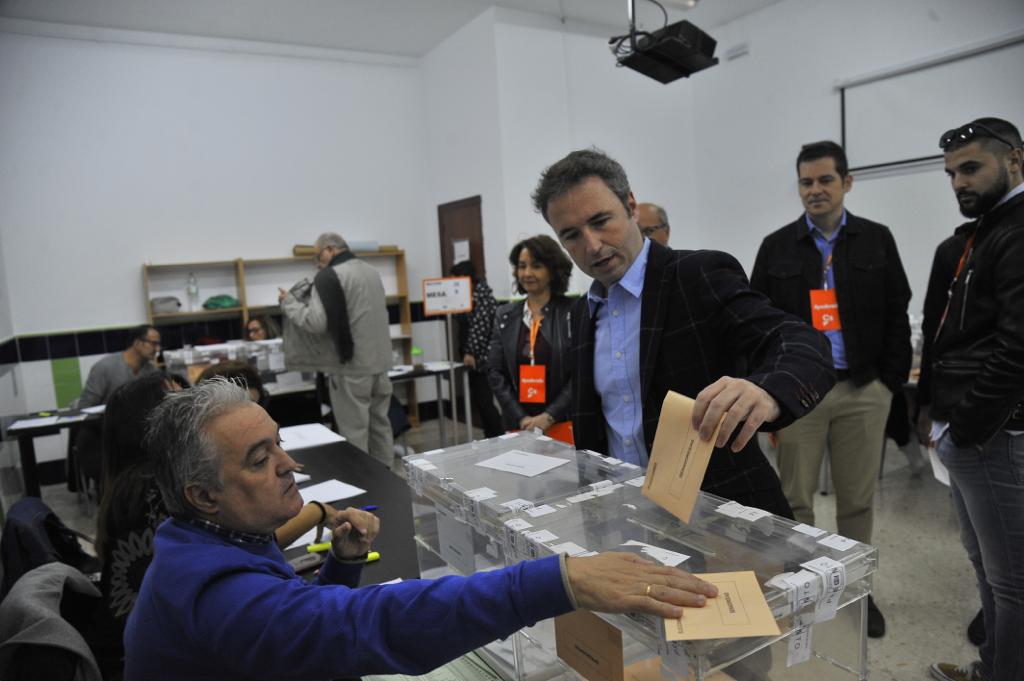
(876, 623)
(976, 629)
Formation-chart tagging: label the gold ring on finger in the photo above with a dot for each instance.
(647, 591)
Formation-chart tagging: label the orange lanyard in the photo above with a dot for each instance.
(534, 329)
(964, 257)
(824, 272)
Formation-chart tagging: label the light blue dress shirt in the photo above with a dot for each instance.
(825, 246)
(617, 359)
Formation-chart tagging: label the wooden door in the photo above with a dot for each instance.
(460, 227)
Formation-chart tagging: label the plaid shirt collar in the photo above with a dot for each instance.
(233, 536)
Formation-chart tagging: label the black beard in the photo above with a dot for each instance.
(985, 201)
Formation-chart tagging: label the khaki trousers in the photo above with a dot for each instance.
(851, 421)
(360, 405)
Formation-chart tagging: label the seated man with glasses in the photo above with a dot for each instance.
(113, 371)
(653, 222)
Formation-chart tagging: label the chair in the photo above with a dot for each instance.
(33, 535)
(41, 623)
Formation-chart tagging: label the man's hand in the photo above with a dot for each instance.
(624, 582)
(469, 360)
(924, 428)
(354, 530)
(543, 421)
(281, 293)
(740, 401)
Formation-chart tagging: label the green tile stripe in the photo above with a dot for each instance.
(67, 380)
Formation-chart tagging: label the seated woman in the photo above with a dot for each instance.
(131, 509)
(262, 328)
(528, 367)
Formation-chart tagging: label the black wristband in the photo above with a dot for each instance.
(323, 512)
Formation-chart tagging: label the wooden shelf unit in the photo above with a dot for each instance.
(254, 282)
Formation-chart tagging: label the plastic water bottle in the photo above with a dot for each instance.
(192, 289)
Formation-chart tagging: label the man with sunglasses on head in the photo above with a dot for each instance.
(977, 386)
(113, 371)
(842, 274)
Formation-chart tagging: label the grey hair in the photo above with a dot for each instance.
(184, 453)
(331, 239)
(579, 165)
(662, 215)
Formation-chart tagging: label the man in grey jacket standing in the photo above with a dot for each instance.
(338, 324)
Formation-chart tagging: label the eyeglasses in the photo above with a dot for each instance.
(651, 229)
(154, 343)
(965, 133)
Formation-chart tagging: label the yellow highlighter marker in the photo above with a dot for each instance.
(325, 546)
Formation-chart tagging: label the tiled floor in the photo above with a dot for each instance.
(925, 586)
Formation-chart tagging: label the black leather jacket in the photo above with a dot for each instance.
(503, 367)
(978, 355)
(871, 289)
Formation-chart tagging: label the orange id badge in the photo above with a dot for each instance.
(825, 309)
(531, 383)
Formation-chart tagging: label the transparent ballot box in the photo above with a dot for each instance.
(815, 583)
(463, 495)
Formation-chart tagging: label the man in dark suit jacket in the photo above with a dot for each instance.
(657, 320)
(841, 273)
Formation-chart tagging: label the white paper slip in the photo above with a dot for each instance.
(751, 513)
(72, 419)
(837, 542)
(731, 509)
(939, 470)
(95, 409)
(541, 536)
(275, 361)
(307, 435)
(517, 504)
(34, 423)
(431, 452)
(439, 365)
(330, 491)
(481, 494)
(508, 436)
(538, 511)
(663, 556)
(543, 438)
(569, 548)
(799, 644)
(309, 538)
(517, 524)
(579, 498)
(301, 478)
(833, 581)
(636, 482)
(522, 463)
(808, 530)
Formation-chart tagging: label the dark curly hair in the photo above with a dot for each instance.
(546, 250)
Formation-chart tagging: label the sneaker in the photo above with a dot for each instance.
(876, 623)
(944, 671)
(976, 629)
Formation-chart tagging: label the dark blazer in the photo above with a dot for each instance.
(700, 321)
(871, 289)
(503, 362)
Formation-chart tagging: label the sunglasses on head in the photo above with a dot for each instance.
(966, 133)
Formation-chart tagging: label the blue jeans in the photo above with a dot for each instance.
(987, 485)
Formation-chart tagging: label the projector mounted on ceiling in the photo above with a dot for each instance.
(672, 52)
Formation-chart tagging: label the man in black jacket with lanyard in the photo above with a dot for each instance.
(977, 405)
(842, 274)
(657, 320)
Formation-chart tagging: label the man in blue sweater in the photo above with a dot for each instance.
(219, 601)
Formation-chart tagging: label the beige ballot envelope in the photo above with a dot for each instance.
(678, 458)
(738, 611)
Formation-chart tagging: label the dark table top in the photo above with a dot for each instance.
(343, 461)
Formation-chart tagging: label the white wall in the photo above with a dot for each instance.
(751, 115)
(561, 91)
(117, 154)
(6, 323)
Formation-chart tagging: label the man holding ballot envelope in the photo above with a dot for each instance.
(657, 320)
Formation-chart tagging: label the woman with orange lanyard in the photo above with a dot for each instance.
(528, 367)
